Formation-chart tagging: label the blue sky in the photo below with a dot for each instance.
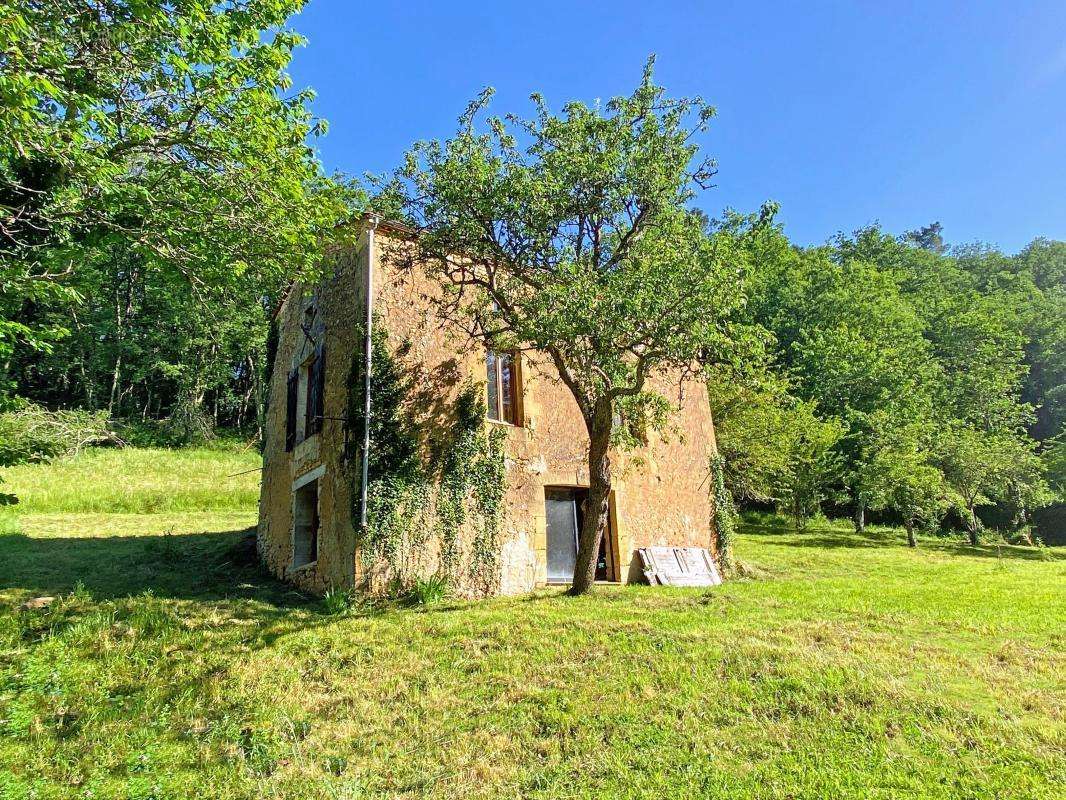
(844, 112)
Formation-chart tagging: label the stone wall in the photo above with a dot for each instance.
(337, 322)
(661, 493)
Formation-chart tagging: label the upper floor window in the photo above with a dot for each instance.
(305, 402)
(503, 397)
(313, 379)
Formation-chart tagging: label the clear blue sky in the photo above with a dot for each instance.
(845, 112)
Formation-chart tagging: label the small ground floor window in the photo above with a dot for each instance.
(305, 525)
(565, 509)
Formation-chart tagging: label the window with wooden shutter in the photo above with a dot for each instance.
(501, 374)
(316, 392)
(292, 389)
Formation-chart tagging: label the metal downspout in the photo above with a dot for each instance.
(367, 365)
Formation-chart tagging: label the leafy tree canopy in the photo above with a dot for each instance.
(898, 472)
(570, 234)
(167, 129)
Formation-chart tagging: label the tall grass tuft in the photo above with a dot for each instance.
(337, 602)
(428, 591)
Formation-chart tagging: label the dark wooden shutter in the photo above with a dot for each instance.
(317, 400)
(292, 388)
(321, 385)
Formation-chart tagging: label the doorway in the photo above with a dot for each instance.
(564, 514)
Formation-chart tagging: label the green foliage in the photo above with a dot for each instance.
(170, 120)
(409, 502)
(145, 348)
(815, 467)
(725, 512)
(898, 472)
(928, 237)
(489, 486)
(33, 433)
(637, 416)
(156, 182)
(429, 591)
(889, 336)
(397, 499)
(982, 467)
(1055, 464)
(270, 355)
(472, 470)
(393, 439)
(1030, 290)
(398, 522)
(775, 447)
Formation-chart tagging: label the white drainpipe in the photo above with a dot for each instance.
(367, 365)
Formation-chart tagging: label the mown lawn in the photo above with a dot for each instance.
(851, 668)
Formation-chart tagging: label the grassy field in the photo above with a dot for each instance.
(140, 481)
(851, 668)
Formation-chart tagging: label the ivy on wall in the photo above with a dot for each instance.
(472, 480)
(725, 513)
(409, 501)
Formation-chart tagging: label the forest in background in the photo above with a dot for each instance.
(159, 187)
(904, 377)
(887, 358)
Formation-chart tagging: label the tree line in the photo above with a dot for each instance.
(903, 376)
(158, 184)
(159, 187)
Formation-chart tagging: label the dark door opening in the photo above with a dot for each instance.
(565, 514)
(305, 525)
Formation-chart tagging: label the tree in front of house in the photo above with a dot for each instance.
(569, 234)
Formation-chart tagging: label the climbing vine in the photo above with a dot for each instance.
(410, 502)
(473, 480)
(725, 513)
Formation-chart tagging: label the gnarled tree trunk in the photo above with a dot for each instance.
(909, 525)
(860, 516)
(596, 514)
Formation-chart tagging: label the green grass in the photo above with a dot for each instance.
(853, 668)
(139, 481)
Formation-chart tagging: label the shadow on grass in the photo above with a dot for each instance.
(186, 566)
(831, 539)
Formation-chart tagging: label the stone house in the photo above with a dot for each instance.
(317, 486)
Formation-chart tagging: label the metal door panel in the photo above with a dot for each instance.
(561, 515)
